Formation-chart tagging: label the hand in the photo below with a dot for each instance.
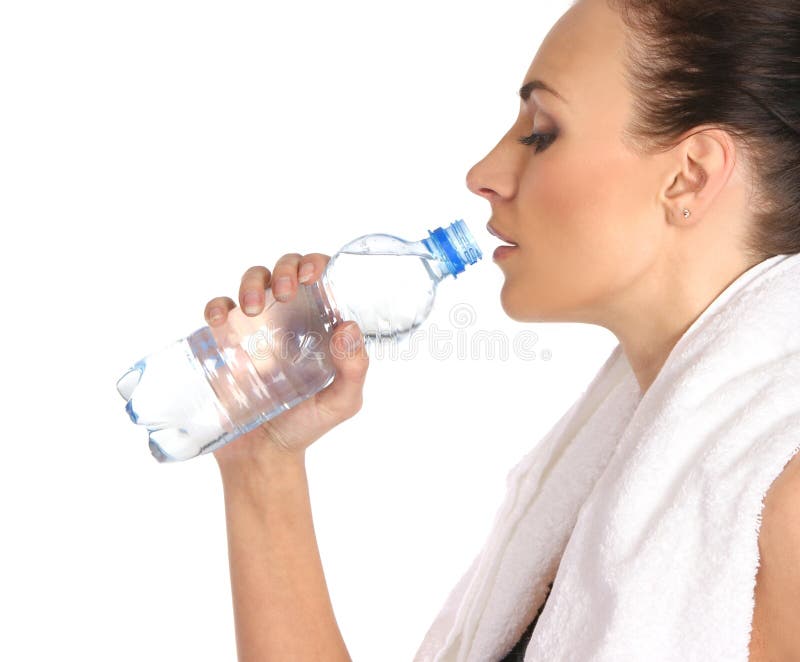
(291, 432)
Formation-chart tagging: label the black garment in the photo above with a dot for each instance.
(517, 654)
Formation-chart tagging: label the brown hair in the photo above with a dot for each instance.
(734, 64)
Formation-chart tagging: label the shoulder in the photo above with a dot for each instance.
(776, 617)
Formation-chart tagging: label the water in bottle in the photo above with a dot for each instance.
(203, 391)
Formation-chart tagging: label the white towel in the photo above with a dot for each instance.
(645, 510)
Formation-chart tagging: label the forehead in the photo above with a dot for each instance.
(582, 55)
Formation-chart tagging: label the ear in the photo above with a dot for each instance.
(704, 161)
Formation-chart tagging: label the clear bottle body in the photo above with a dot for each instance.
(204, 391)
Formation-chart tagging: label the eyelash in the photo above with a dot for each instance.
(541, 140)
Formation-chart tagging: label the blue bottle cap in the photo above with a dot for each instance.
(455, 247)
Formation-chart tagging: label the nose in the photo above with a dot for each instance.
(475, 179)
(494, 177)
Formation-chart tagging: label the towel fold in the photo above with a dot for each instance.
(644, 512)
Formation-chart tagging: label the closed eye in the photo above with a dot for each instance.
(540, 140)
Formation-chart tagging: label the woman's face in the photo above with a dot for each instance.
(583, 210)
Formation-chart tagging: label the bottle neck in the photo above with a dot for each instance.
(437, 268)
(454, 247)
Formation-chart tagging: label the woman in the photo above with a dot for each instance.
(654, 161)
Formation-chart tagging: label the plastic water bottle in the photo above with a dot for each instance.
(204, 391)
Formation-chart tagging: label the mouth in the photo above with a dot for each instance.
(501, 252)
(494, 231)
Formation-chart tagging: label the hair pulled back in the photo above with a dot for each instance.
(734, 64)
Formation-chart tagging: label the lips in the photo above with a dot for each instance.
(494, 231)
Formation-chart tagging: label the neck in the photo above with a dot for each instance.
(651, 319)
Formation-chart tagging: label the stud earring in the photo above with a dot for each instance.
(686, 213)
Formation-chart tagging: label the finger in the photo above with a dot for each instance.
(344, 396)
(251, 290)
(311, 267)
(284, 276)
(217, 309)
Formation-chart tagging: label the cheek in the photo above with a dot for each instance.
(583, 232)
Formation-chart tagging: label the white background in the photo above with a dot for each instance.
(149, 153)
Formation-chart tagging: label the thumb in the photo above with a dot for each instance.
(349, 356)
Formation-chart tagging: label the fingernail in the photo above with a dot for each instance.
(306, 270)
(251, 302)
(281, 288)
(214, 315)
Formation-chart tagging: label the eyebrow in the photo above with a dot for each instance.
(530, 86)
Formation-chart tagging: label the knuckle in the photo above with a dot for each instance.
(288, 260)
(284, 272)
(216, 302)
(317, 258)
(286, 265)
(257, 271)
(255, 279)
(219, 306)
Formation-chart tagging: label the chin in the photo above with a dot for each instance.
(515, 306)
(521, 308)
